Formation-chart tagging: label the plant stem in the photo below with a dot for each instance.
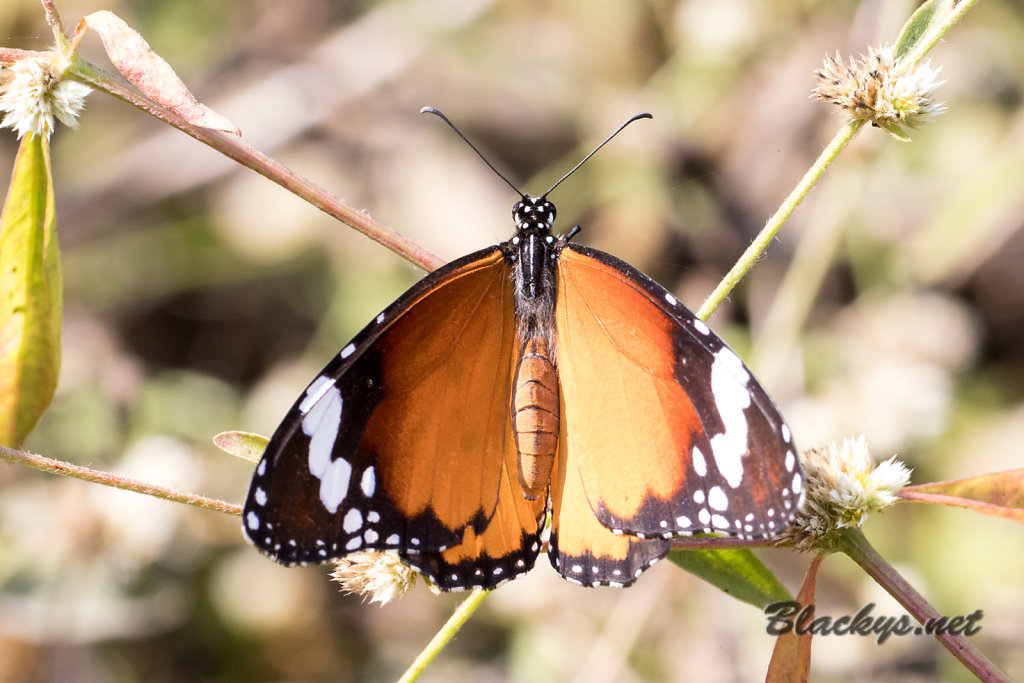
(67, 469)
(271, 169)
(445, 635)
(928, 42)
(781, 215)
(853, 543)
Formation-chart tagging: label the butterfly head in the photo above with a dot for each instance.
(533, 213)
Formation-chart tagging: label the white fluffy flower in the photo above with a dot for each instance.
(381, 576)
(881, 89)
(843, 488)
(32, 94)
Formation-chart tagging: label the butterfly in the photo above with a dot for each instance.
(534, 379)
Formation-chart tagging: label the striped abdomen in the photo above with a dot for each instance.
(535, 416)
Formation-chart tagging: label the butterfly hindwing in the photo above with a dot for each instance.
(582, 549)
(507, 548)
(400, 442)
(671, 433)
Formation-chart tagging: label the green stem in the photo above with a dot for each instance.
(445, 635)
(929, 41)
(772, 226)
(853, 543)
(45, 464)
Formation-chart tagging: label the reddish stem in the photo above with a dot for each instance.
(45, 464)
(853, 543)
(233, 148)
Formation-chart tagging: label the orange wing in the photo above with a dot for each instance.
(664, 427)
(403, 441)
(580, 548)
(507, 548)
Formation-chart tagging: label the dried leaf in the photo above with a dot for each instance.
(148, 72)
(30, 294)
(791, 658)
(1000, 494)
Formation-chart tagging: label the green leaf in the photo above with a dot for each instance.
(928, 16)
(244, 445)
(30, 294)
(737, 572)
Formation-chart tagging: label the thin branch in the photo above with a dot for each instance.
(854, 544)
(56, 25)
(67, 469)
(455, 622)
(720, 543)
(271, 169)
(781, 215)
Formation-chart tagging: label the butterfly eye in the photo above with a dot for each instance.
(548, 210)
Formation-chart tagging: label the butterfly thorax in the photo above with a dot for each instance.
(532, 255)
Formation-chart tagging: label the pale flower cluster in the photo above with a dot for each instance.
(33, 94)
(843, 488)
(881, 89)
(381, 576)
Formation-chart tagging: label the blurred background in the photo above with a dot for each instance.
(200, 297)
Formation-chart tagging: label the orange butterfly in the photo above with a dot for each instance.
(533, 376)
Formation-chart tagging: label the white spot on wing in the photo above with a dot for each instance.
(683, 521)
(698, 496)
(334, 484)
(368, 482)
(380, 318)
(717, 498)
(701, 327)
(261, 496)
(790, 460)
(353, 521)
(798, 483)
(700, 465)
(321, 425)
(371, 536)
(670, 299)
(354, 543)
(729, 387)
(261, 469)
(314, 392)
(347, 351)
(253, 521)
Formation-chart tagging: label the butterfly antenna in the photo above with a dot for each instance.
(436, 112)
(607, 140)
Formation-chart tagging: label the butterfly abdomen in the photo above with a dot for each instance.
(535, 416)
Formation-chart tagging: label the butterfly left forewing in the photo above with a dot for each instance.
(398, 444)
(672, 434)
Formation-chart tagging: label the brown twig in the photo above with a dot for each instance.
(67, 469)
(854, 544)
(271, 169)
